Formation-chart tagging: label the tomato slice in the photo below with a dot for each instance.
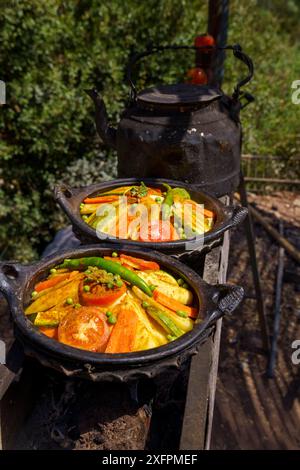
(100, 294)
(160, 231)
(85, 328)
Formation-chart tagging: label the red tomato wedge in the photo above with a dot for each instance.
(100, 294)
(174, 305)
(85, 328)
(141, 263)
(52, 281)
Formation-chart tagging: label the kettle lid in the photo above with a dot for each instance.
(182, 94)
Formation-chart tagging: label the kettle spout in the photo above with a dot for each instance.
(106, 132)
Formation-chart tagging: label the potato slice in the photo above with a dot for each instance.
(178, 293)
(56, 296)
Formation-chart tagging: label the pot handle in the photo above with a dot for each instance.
(12, 276)
(227, 299)
(64, 194)
(237, 213)
(237, 52)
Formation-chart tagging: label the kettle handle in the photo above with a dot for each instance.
(152, 49)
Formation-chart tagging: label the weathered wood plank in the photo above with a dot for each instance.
(198, 415)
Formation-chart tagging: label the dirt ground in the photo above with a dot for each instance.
(253, 411)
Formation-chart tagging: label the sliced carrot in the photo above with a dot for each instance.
(99, 199)
(52, 281)
(206, 212)
(141, 263)
(123, 334)
(50, 332)
(174, 305)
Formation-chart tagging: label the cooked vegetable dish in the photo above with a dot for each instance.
(147, 214)
(115, 304)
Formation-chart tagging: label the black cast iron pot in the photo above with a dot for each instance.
(226, 216)
(17, 282)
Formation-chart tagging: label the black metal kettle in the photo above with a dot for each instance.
(190, 133)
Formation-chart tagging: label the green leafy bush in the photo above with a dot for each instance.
(51, 51)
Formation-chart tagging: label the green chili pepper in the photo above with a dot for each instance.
(171, 337)
(165, 321)
(181, 313)
(180, 194)
(109, 266)
(167, 204)
(170, 325)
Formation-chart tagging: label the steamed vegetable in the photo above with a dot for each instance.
(149, 214)
(52, 281)
(177, 292)
(109, 266)
(102, 294)
(133, 330)
(174, 305)
(56, 295)
(141, 263)
(85, 328)
(115, 305)
(185, 324)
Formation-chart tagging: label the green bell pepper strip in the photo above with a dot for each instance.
(109, 266)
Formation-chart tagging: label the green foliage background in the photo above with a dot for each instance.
(52, 50)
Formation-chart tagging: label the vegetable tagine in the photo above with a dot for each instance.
(115, 304)
(147, 214)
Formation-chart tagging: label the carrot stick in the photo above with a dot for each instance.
(52, 281)
(100, 199)
(50, 332)
(141, 263)
(123, 334)
(174, 305)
